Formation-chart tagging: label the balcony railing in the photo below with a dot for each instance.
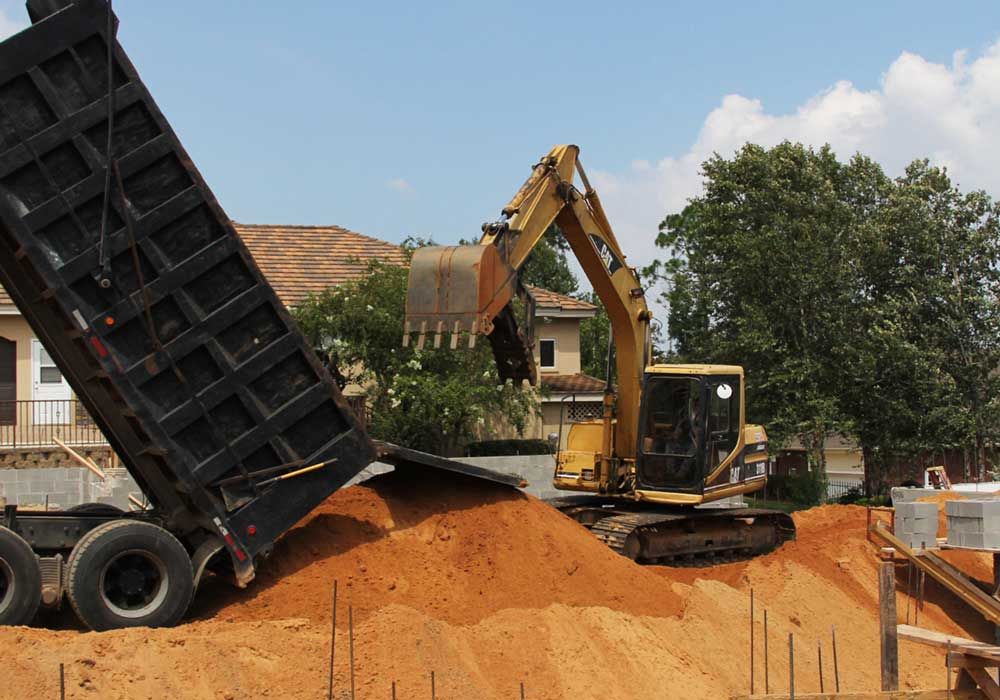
(37, 423)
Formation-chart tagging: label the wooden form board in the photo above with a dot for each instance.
(946, 574)
(875, 695)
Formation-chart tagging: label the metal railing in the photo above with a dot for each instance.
(37, 423)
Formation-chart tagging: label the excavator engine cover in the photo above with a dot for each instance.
(469, 289)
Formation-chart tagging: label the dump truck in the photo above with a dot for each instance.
(135, 281)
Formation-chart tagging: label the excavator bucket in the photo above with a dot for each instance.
(468, 290)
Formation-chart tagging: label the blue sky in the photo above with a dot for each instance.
(423, 118)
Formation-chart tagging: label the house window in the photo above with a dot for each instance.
(8, 382)
(547, 353)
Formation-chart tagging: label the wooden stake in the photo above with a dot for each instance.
(751, 643)
(350, 643)
(767, 673)
(333, 642)
(791, 666)
(836, 669)
(819, 656)
(887, 625)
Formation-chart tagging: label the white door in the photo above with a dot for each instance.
(49, 389)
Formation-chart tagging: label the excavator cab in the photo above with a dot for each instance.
(691, 426)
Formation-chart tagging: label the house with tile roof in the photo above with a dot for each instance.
(37, 402)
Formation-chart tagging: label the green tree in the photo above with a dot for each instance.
(548, 264)
(856, 303)
(433, 399)
(594, 334)
(756, 280)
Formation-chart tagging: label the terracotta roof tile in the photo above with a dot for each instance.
(299, 260)
(572, 383)
(548, 299)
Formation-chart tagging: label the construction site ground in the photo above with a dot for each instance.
(489, 588)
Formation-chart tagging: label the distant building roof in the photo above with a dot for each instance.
(548, 300)
(300, 260)
(303, 260)
(572, 384)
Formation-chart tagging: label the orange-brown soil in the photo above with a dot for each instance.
(489, 588)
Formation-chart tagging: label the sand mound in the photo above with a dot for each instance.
(489, 588)
(454, 548)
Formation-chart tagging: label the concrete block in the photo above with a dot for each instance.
(922, 541)
(917, 510)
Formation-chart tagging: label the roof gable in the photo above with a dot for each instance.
(303, 260)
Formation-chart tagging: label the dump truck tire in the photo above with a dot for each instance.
(129, 573)
(96, 509)
(20, 580)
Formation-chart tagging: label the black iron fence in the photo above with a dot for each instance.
(40, 423)
(835, 490)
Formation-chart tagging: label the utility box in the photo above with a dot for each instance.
(974, 523)
(916, 524)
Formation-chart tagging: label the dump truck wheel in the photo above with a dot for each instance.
(129, 573)
(96, 509)
(20, 580)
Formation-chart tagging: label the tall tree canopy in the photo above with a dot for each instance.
(857, 303)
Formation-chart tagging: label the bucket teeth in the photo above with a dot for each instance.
(437, 334)
(455, 332)
(406, 334)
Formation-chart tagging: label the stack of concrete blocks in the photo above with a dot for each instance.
(916, 524)
(65, 487)
(974, 523)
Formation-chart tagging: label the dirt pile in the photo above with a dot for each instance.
(489, 589)
(455, 548)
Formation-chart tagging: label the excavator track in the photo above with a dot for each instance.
(686, 538)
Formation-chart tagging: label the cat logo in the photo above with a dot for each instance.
(608, 257)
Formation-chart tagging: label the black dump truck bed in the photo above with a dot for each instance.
(143, 293)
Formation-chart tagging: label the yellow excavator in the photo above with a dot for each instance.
(657, 475)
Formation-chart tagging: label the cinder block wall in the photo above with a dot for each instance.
(66, 487)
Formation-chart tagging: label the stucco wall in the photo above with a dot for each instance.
(566, 333)
(17, 329)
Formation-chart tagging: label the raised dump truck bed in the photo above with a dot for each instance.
(150, 304)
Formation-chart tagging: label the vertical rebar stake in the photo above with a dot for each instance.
(522, 690)
(767, 673)
(394, 690)
(62, 682)
(791, 666)
(433, 688)
(836, 669)
(333, 642)
(947, 666)
(751, 642)
(350, 643)
(819, 656)
(909, 588)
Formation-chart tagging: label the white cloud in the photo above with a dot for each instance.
(948, 113)
(398, 184)
(9, 25)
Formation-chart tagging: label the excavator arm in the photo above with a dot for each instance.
(473, 289)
